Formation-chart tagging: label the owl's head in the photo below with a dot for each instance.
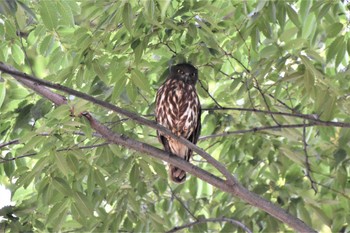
(185, 72)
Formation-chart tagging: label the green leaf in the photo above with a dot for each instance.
(324, 11)
(48, 13)
(341, 53)
(27, 9)
(164, 4)
(9, 165)
(10, 30)
(100, 180)
(310, 66)
(308, 81)
(46, 45)
(100, 71)
(2, 92)
(333, 49)
(62, 186)
(339, 156)
(309, 26)
(269, 51)
(65, 11)
(334, 29)
(292, 15)
(134, 175)
(131, 91)
(56, 210)
(61, 163)
(17, 54)
(140, 80)
(84, 205)
(128, 17)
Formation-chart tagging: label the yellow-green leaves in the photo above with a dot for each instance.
(2, 92)
(140, 80)
(128, 17)
(17, 54)
(48, 12)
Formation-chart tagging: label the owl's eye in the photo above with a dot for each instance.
(180, 71)
(193, 74)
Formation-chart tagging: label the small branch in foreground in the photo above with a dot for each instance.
(265, 100)
(200, 221)
(173, 194)
(211, 97)
(15, 141)
(307, 163)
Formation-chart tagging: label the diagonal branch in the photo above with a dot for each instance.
(36, 85)
(173, 194)
(235, 189)
(207, 91)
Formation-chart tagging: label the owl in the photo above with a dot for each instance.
(178, 109)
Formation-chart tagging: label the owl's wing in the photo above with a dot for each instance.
(164, 141)
(195, 135)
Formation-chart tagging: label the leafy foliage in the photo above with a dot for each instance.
(277, 56)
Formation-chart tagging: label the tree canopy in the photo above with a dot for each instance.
(274, 88)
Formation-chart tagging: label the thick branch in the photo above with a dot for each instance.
(34, 83)
(236, 189)
(200, 221)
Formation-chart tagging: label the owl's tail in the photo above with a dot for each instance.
(176, 174)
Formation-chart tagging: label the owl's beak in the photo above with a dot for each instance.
(187, 76)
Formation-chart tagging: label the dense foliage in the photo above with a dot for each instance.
(276, 56)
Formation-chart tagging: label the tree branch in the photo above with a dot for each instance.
(200, 221)
(235, 188)
(256, 129)
(307, 163)
(4, 160)
(15, 141)
(173, 194)
(311, 117)
(35, 84)
(211, 97)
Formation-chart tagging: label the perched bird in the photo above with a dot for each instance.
(178, 109)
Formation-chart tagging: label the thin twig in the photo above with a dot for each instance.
(181, 202)
(307, 163)
(207, 91)
(200, 221)
(256, 129)
(265, 100)
(15, 141)
(4, 160)
(333, 190)
(311, 117)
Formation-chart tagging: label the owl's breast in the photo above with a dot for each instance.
(177, 107)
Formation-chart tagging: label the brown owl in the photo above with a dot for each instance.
(178, 109)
